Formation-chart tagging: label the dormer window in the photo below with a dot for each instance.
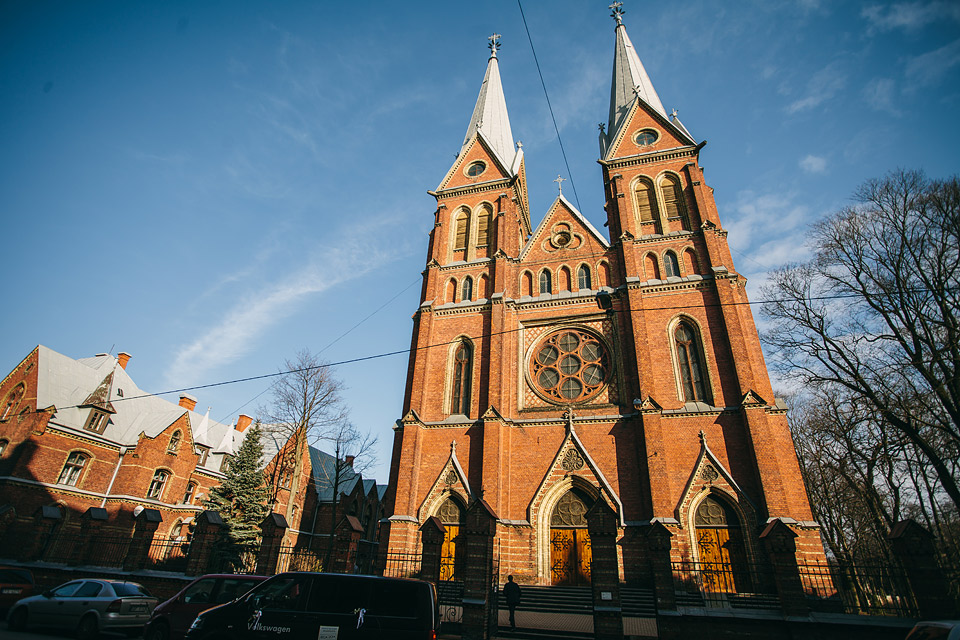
(97, 422)
(203, 452)
(174, 442)
(119, 392)
(155, 490)
(188, 495)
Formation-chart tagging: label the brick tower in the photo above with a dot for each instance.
(552, 367)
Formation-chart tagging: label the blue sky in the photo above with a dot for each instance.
(212, 186)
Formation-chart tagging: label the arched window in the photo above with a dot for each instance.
(672, 197)
(13, 399)
(174, 442)
(159, 481)
(671, 264)
(460, 239)
(462, 370)
(546, 284)
(73, 468)
(483, 226)
(583, 277)
(466, 293)
(690, 361)
(188, 494)
(646, 202)
(3, 445)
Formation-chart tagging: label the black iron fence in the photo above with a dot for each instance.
(400, 565)
(868, 590)
(108, 551)
(168, 553)
(723, 585)
(294, 559)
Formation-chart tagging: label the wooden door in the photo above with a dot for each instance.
(570, 555)
(720, 546)
(448, 552)
(584, 555)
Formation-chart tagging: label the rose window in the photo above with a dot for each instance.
(569, 366)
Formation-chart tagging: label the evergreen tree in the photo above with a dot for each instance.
(241, 498)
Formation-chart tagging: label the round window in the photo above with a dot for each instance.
(568, 366)
(645, 137)
(476, 168)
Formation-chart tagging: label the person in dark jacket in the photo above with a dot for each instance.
(511, 591)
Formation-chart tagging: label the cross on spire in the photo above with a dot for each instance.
(494, 44)
(617, 8)
(560, 182)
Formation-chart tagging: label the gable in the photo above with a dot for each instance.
(642, 117)
(476, 151)
(546, 243)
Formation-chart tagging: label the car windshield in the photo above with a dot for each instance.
(130, 589)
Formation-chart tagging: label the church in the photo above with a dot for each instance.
(558, 364)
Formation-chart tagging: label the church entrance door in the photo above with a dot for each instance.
(451, 515)
(570, 551)
(720, 547)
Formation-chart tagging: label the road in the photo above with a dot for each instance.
(6, 634)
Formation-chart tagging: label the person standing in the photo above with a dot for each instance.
(511, 592)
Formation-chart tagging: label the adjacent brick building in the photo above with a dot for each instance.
(557, 365)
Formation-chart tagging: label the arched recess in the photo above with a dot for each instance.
(483, 285)
(544, 523)
(689, 361)
(526, 284)
(651, 266)
(603, 274)
(690, 262)
(451, 513)
(564, 280)
(450, 295)
(719, 543)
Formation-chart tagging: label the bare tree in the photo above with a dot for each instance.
(875, 314)
(306, 408)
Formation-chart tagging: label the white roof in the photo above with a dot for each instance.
(630, 81)
(490, 119)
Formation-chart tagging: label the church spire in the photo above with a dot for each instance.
(490, 118)
(630, 79)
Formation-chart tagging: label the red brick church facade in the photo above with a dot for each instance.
(555, 365)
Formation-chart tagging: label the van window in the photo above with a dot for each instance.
(339, 594)
(282, 592)
(398, 599)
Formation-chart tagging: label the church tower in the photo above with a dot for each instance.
(555, 366)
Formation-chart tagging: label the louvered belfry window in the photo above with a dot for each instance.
(460, 241)
(483, 227)
(672, 197)
(646, 203)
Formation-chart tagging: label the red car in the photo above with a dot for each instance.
(15, 583)
(171, 619)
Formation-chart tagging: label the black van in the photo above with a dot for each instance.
(325, 606)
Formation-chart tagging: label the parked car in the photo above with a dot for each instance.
(935, 630)
(325, 606)
(15, 583)
(87, 606)
(171, 619)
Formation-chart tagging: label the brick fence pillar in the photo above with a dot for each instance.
(914, 547)
(345, 545)
(206, 530)
(432, 533)
(43, 530)
(91, 529)
(8, 519)
(479, 608)
(780, 542)
(605, 572)
(272, 530)
(145, 526)
(659, 544)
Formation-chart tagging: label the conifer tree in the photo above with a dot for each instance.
(241, 498)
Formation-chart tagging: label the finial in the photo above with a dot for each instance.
(569, 416)
(703, 437)
(673, 114)
(636, 90)
(453, 446)
(519, 144)
(560, 182)
(602, 127)
(494, 44)
(617, 8)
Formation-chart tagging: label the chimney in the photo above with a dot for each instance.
(187, 401)
(123, 358)
(349, 460)
(243, 422)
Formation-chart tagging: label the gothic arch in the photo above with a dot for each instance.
(696, 349)
(651, 266)
(466, 289)
(691, 264)
(459, 378)
(460, 232)
(671, 263)
(564, 279)
(671, 194)
(545, 282)
(646, 206)
(483, 284)
(450, 293)
(526, 284)
(540, 517)
(603, 274)
(584, 277)
(483, 213)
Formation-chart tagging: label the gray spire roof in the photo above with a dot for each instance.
(630, 80)
(490, 116)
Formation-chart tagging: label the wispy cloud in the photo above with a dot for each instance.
(822, 86)
(813, 164)
(930, 68)
(879, 94)
(909, 16)
(764, 229)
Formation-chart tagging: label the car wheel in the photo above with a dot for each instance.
(87, 629)
(18, 619)
(157, 631)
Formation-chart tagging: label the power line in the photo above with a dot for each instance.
(550, 107)
(449, 342)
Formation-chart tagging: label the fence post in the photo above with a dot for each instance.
(205, 532)
(272, 530)
(91, 526)
(781, 545)
(914, 547)
(145, 526)
(659, 544)
(605, 571)
(478, 531)
(345, 545)
(431, 534)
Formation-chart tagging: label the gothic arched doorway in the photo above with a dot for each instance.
(723, 558)
(570, 551)
(451, 515)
